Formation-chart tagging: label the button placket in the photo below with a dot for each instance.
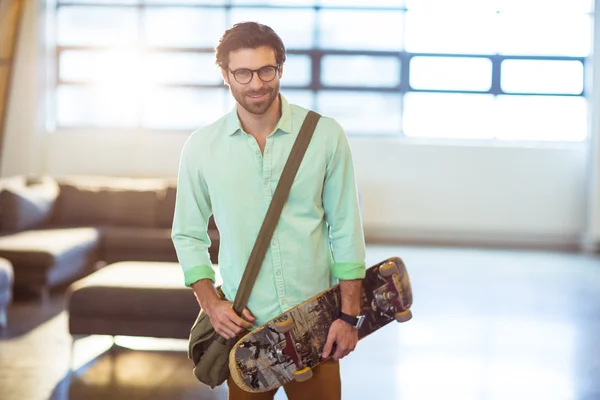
(266, 164)
(274, 250)
(256, 150)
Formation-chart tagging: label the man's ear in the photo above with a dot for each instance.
(280, 71)
(225, 76)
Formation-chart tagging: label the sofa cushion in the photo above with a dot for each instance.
(108, 201)
(82, 206)
(145, 244)
(166, 207)
(50, 256)
(153, 239)
(134, 290)
(27, 203)
(137, 244)
(133, 207)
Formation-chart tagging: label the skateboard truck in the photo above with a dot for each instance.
(285, 326)
(389, 270)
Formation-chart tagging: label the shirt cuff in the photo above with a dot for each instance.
(195, 274)
(348, 271)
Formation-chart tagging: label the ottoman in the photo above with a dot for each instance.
(46, 258)
(132, 298)
(6, 283)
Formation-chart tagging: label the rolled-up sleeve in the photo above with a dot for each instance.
(190, 221)
(340, 201)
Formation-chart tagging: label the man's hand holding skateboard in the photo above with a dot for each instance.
(341, 333)
(345, 338)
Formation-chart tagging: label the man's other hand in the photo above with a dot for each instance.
(345, 338)
(226, 322)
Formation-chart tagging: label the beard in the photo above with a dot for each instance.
(256, 107)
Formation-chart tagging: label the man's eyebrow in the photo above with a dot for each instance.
(264, 65)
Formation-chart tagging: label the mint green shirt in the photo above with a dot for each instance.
(319, 237)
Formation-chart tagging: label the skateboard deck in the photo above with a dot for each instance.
(290, 345)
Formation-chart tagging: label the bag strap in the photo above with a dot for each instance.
(273, 213)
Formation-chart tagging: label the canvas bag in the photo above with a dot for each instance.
(208, 350)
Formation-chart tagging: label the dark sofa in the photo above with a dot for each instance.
(55, 230)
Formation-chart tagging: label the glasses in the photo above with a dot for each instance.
(245, 75)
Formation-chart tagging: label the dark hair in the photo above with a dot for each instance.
(248, 35)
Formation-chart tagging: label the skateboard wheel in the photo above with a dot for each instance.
(403, 316)
(285, 325)
(303, 374)
(387, 269)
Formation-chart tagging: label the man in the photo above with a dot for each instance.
(230, 170)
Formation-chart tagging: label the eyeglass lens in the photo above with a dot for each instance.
(265, 74)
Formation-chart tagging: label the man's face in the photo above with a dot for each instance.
(256, 96)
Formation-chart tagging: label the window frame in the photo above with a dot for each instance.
(315, 55)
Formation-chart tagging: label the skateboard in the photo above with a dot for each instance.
(290, 345)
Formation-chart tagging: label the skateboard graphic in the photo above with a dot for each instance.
(290, 345)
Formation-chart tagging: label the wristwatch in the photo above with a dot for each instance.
(356, 322)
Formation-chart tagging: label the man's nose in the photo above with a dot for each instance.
(256, 82)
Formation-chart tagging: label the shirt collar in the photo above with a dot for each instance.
(233, 124)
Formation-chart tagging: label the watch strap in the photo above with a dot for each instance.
(349, 319)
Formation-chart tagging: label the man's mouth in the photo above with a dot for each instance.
(257, 95)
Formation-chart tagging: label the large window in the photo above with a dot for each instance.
(481, 69)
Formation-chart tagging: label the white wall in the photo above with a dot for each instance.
(592, 226)
(410, 191)
(25, 106)
(448, 193)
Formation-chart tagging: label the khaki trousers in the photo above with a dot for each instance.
(325, 384)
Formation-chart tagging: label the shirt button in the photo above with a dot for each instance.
(266, 181)
(257, 151)
(278, 273)
(274, 242)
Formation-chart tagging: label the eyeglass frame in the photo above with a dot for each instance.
(252, 71)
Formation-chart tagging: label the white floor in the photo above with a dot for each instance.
(487, 325)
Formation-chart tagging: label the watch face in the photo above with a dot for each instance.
(360, 319)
